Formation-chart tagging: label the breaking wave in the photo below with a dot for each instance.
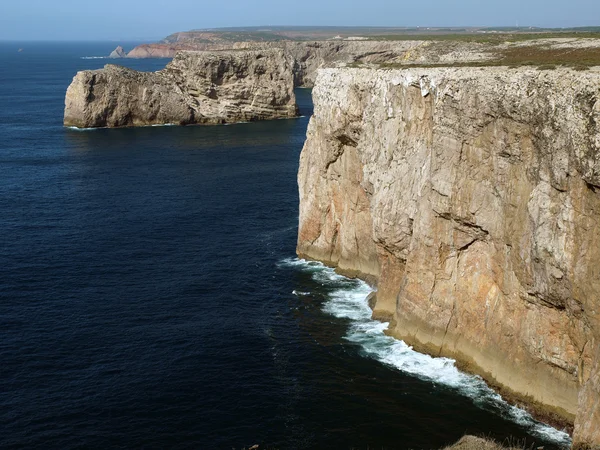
(348, 299)
(82, 129)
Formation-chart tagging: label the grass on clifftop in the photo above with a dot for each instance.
(534, 55)
(488, 37)
(544, 58)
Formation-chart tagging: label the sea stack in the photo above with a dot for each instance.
(118, 53)
(472, 196)
(194, 88)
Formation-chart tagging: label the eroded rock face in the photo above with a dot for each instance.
(473, 195)
(194, 88)
(170, 50)
(306, 57)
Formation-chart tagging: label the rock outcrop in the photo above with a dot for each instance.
(472, 195)
(194, 88)
(118, 52)
(306, 57)
(169, 51)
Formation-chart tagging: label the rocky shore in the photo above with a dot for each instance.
(194, 88)
(472, 196)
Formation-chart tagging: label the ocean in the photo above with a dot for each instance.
(150, 296)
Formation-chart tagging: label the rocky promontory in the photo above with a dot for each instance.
(194, 88)
(306, 57)
(472, 196)
(118, 52)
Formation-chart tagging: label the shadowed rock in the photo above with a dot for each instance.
(118, 53)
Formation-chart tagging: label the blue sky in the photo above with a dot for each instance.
(154, 19)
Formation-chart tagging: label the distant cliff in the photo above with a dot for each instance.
(118, 52)
(306, 57)
(195, 88)
(472, 195)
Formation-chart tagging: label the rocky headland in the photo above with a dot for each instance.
(471, 196)
(194, 88)
(308, 56)
(118, 52)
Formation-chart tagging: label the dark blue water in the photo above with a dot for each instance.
(149, 295)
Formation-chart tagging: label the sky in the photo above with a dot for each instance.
(155, 19)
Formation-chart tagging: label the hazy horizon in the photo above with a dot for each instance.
(154, 19)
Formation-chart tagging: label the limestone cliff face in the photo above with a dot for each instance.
(194, 88)
(473, 196)
(307, 57)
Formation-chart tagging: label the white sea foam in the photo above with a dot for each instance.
(348, 300)
(82, 129)
(94, 57)
(300, 293)
(138, 126)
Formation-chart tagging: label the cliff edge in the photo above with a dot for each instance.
(472, 195)
(194, 88)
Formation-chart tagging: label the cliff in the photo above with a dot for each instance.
(194, 88)
(306, 57)
(472, 196)
(170, 50)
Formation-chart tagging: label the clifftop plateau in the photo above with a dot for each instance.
(194, 88)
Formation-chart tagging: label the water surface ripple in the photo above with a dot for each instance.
(145, 298)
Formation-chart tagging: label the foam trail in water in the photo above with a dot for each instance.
(348, 300)
(94, 57)
(82, 129)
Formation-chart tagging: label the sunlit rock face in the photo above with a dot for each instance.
(194, 88)
(472, 196)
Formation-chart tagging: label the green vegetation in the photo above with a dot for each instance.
(486, 37)
(257, 36)
(461, 34)
(542, 57)
(578, 58)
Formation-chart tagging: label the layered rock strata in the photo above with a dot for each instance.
(472, 195)
(194, 88)
(306, 57)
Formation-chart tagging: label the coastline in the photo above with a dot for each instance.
(546, 414)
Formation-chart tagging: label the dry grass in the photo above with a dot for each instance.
(539, 56)
(544, 58)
